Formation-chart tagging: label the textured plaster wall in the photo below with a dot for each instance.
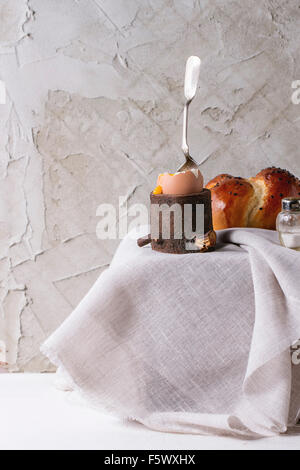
(94, 103)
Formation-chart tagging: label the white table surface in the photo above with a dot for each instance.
(35, 415)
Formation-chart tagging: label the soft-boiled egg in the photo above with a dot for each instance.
(186, 182)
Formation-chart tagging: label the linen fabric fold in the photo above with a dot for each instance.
(194, 343)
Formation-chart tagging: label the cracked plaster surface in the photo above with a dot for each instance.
(94, 108)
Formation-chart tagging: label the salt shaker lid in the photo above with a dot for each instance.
(291, 204)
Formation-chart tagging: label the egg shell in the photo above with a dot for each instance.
(181, 183)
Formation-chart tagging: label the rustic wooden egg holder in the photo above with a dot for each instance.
(199, 243)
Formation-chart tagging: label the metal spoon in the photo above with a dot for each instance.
(192, 71)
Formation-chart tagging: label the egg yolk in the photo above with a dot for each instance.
(157, 190)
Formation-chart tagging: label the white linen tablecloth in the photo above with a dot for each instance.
(195, 343)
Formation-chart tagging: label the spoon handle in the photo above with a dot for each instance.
(192, 71)
(185, 147)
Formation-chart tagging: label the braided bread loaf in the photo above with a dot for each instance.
(253, 202)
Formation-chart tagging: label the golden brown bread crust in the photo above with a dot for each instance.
(253, 202)
(218, 180)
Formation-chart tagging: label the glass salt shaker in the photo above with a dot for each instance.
(288, 223)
